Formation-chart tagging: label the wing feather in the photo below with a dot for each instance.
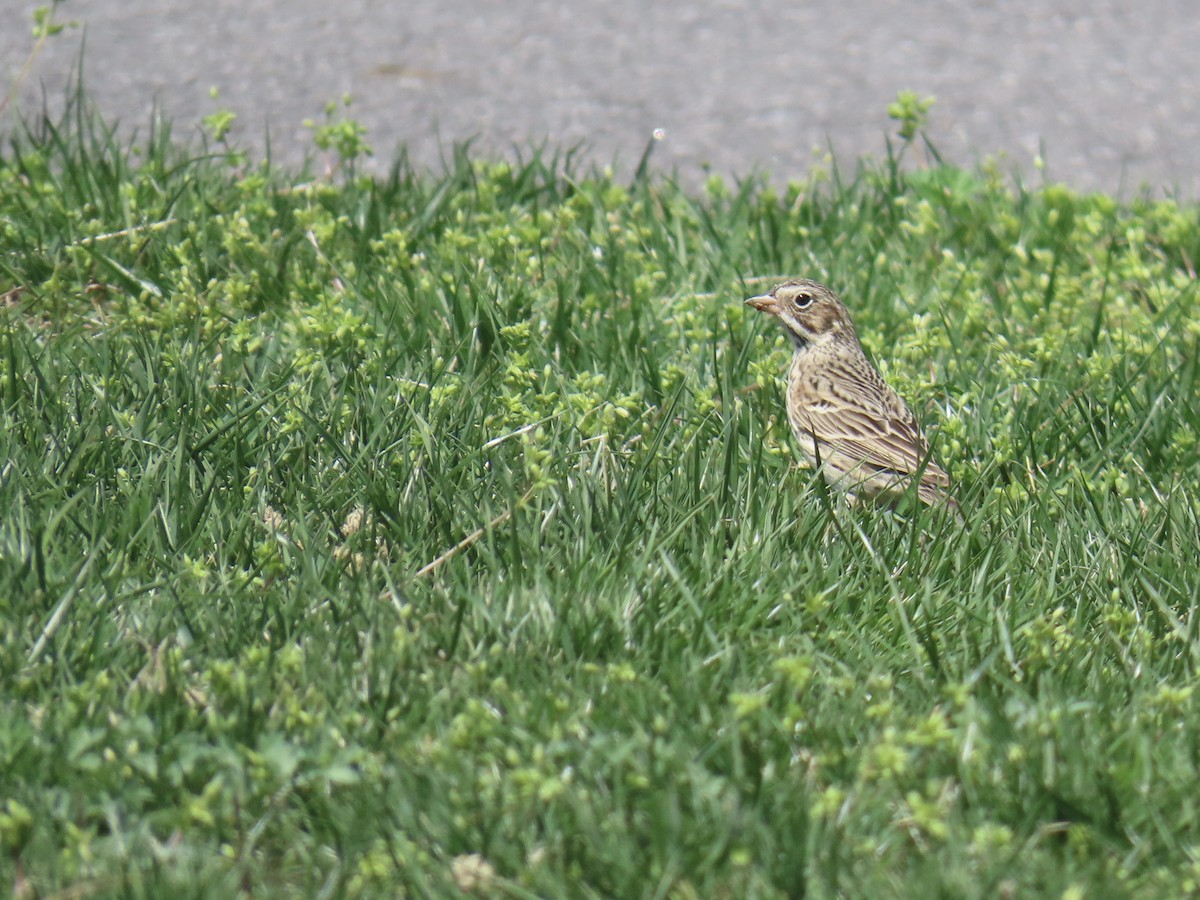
(864, 422)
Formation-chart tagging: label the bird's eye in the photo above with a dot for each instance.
(802, 301)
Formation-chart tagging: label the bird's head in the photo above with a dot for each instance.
(809, 312)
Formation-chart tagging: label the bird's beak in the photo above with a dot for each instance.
(764, 303)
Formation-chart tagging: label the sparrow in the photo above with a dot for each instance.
(848, 422)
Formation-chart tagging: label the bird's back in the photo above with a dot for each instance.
(846, 417)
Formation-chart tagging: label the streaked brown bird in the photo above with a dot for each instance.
(848, 422)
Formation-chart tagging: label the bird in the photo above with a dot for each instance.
(848, 421)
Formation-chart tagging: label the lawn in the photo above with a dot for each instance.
(442, 533)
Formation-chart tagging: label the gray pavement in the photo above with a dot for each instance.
(1109, 90)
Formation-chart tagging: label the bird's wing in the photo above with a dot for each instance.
(882, 438)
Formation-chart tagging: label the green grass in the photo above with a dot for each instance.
(243, 411)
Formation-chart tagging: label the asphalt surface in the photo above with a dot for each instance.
(1108, 92)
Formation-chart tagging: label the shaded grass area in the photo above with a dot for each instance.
(645, 655)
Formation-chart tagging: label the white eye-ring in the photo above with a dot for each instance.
(802, 300)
